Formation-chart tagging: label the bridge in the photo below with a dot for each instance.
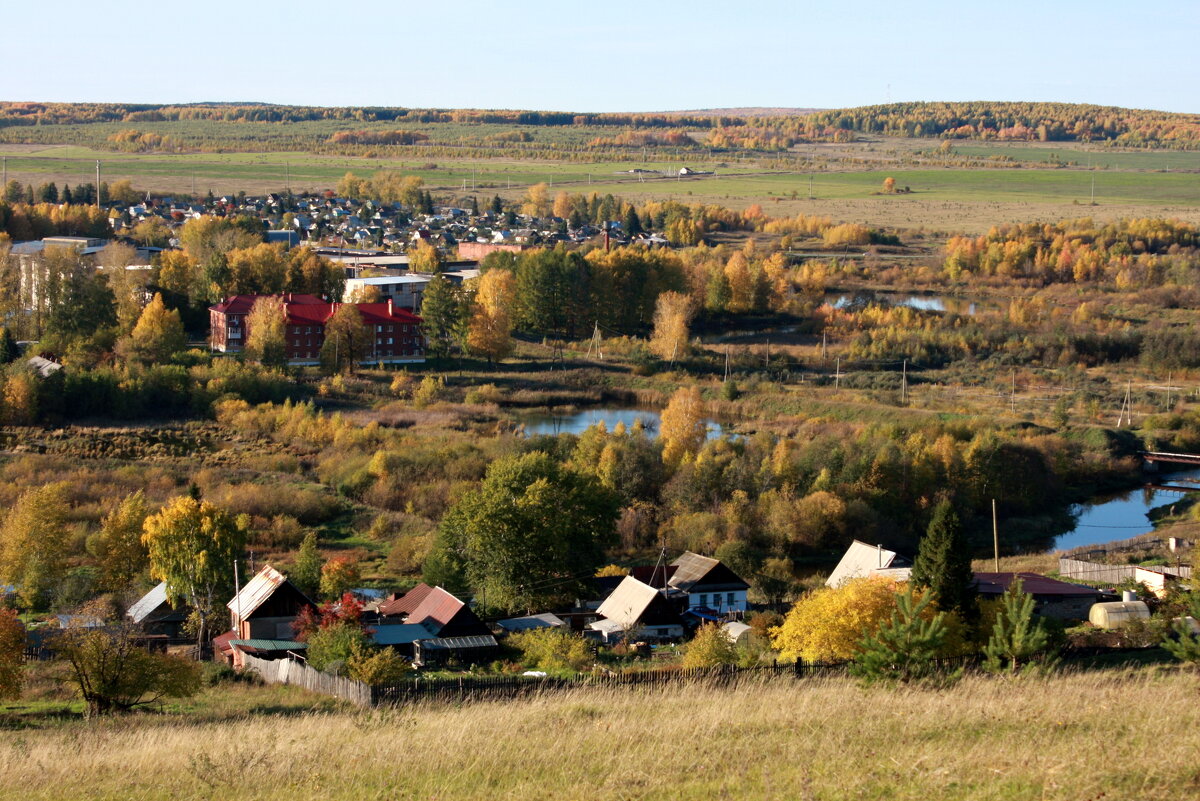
(1159, 457)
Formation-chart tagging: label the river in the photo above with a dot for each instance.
(578, 422)
(1122, 515)
(938, 303)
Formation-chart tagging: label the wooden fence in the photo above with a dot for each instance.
(287, 671)
(1096, 573)
(478, 688)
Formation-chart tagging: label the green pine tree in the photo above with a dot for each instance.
(943, 564)
(8, 347)
(444, 316)
(1182, 642)
(904, 648)
(497, 204)
(632, 224)
(1018, 634)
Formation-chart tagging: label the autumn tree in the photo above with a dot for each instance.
(12, 654)
(193, 546)
(114, 671)
(338, 575)
(490, 332)
(889, 185)
(128, 286)
(424, 257)
(307, 573)
(33, 543)
(710, 647)
(347, 341)
(536, 202)
(157, 336)
(828, 624)
(672, 315)
(266, 332)
(943, 563)
(684, 426)
(119, 549)
(531, 535)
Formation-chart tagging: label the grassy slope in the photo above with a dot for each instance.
(1070, 737)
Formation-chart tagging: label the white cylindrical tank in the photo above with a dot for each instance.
(1128, 596)
(1115, 614)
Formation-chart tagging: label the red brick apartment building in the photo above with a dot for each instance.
(396, 339)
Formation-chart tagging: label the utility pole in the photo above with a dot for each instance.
(837, 376)
(288, 167)
(995, 537)
(824, 334)
(1168, 391)
(904, 383)
(97, 183)
(5, 182)
(1126, 407)
(1012, 396)
(726, 364)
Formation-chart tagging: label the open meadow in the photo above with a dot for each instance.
(1085, 735)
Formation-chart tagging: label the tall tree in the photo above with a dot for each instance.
(33, 543)
(904, 648)
(128, 286)
(531, 535)
(684, 427)
(193, 546)
(119, 548)
(266, 332)
(347, 340)
(158, 334)
(443, 313)
(943, 563)
(307, 573)
(12, 654)
(672, 316)
(490, 331)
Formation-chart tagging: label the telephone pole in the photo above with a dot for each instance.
(904, 383)
(995, 537)
(837, 376)
(97, 183)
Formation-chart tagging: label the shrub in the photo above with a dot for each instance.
(710, 647)
(331, 647)
(552, 650)
(376, 666)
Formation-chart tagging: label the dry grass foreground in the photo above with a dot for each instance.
(1077, 736)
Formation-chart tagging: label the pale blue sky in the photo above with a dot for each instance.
(608, 56)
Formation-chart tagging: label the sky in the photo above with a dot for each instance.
(653, 55)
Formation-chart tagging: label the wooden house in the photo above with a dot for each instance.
(637, 611)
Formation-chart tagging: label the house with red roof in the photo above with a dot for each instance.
(394, 333)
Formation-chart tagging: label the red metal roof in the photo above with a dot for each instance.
(311, 310)
(405, 604)
(1034, 584)
(438, 607)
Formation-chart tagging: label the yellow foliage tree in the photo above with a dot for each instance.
(158, 334)
(537, 201)
(424, 258)
(889, 184)
(741, 283)
(683, 428)
(266, 331)
(673, 314)
(828, 624)
(490, 332)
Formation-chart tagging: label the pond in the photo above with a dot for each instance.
(578, 422)
(1123, 515)
(938, 303)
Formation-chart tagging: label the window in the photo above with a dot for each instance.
(297, 343)
(389, 341)
(308, 329)
(379, 329)
(389, 329)
(702, 600)
(731, 598)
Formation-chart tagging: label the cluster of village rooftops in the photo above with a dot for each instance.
(663, 603)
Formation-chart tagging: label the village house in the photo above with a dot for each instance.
(861, 560)
(154, 614)
(394, 334)
(635, 610)
(262, 618)
(708, 584)
(432, 626)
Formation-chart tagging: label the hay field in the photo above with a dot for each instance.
(1076, 736)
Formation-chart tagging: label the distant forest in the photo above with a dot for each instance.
(380, 131)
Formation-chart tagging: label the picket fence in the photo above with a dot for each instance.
(288, 671)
